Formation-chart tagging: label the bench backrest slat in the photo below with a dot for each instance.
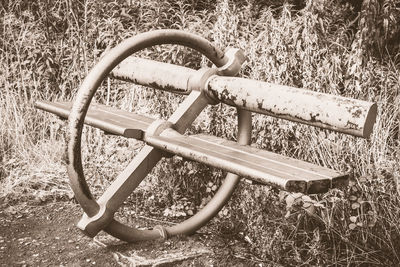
(337, 113)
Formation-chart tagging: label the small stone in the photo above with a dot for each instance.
(87, 260)
(35, 255)
(70, 241)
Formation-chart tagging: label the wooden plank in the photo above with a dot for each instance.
(250, 162)
(106, 118)
(259, 165)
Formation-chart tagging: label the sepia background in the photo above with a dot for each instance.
(348, 48)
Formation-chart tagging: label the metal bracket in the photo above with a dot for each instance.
(156, 128)
(91, 226)
(199, 81)
(236, 58)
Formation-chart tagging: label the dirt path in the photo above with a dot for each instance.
(46, 236)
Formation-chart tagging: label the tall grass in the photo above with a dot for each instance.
(48, 47)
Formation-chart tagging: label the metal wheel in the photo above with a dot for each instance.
(99, 214)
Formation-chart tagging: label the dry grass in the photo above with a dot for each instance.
(47, 49)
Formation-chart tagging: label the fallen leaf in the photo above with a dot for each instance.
(353, 198)
(370, 212)
(306, 198)
(352, 226)
(289, 201)
(362, 179)
(310, 210)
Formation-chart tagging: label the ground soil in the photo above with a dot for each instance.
(45, 235)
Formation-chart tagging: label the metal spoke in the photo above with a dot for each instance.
(139, 167)
(120, 189)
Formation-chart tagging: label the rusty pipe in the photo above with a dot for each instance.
(155, 74)
(337, 113)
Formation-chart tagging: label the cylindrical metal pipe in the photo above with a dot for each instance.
(155, 74)
(341, 114)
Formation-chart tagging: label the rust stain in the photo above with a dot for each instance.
(352, 125)
(313, 118)
(260, 104)
(357, 113)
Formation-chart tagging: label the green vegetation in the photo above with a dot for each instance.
(339, 47)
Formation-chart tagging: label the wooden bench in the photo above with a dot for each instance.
(203, 87)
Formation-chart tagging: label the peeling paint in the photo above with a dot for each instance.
(158, 75)
(357, 113)
(260, 103)
(332, 112)
(352, 125)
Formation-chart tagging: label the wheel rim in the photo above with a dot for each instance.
(78, 113)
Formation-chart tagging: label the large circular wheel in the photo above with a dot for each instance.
(76, 119)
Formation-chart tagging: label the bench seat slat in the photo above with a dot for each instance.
(256, 164)
(109, 119)
(262, 166)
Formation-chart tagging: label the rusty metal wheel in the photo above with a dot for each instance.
(99, 214)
